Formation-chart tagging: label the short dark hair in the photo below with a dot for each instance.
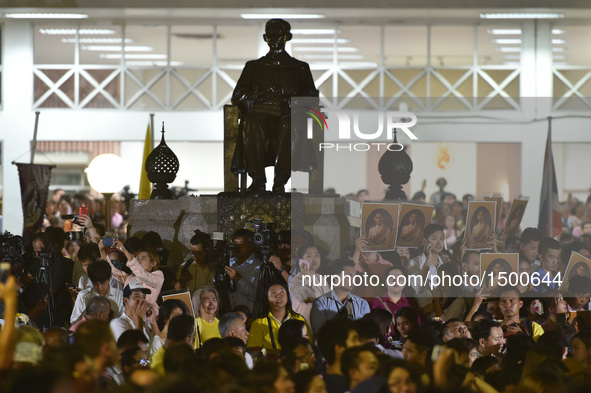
(131, 338)
(290, 329)
(180, 327)
(95, 304)
(467, 254)
(248, 235)
(421, 338)
(548, 244)
(509, 288)
(201, 238)
(431, 229)
(90, 252)
(483, 328)
(99, 271)
(91, 336)
(530, 235)
(367, 328)
(333, 332)
(351, 359)
(337, 266)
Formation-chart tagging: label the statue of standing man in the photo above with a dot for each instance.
(263, 94)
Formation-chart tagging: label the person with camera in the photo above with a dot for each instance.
(243, 269)
(144, 270)
(45, 264)
(196, 273)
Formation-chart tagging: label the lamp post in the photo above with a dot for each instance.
(107, 175)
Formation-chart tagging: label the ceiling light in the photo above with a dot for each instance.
(147, 63)
(555, 49)
(507, 41)
(313, 31)
(282, 16)
(97, 40)
(558, 41)
(512, 57)
(320, 41)
(558, 31)
(347, 49)
(33, 15)
(117, 48)
(521, 15)
(81, 31)
(135, 56)
(505, 31)
(558, 57)
(330, 57)
(506, 49)
(512, 63)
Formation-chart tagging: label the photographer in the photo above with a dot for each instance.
(196, 273)
(46, 264)
(243, 269)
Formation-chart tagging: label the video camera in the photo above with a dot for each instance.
(12, 250)
(264, 233)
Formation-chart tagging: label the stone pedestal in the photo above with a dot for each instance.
(332, 220)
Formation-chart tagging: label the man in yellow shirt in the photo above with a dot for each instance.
(181, 331)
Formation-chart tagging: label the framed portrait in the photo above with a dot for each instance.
(480, 224)
(184, 297)
(491, 265)
(514, 218)
(498, 199)
(578, 265)
(412, 220)
(379, 225)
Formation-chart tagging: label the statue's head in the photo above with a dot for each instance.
(277, 33)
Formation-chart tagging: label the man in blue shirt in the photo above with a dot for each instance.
(243, 269)
(340, 298)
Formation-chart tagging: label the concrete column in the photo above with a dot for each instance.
(16, 120)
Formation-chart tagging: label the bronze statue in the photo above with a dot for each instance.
(263, 94)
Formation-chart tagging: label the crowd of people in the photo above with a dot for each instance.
(92, 318)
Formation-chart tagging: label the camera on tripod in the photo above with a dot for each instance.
(219, 254)
(264, 233)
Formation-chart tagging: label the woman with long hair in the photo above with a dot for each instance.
(168, 310)
(275, 311)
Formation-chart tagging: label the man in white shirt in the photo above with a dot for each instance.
(99, 273)
(134, 316)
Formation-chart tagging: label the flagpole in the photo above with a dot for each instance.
(34, 142)
(549, 165)
(152, 128)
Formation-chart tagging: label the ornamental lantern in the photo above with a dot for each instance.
(395, 166)
(162, 166)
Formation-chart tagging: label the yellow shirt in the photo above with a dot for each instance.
(206, 330)
(201, 277)
(158, 361)
(260, 334)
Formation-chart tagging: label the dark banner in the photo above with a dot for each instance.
(34, 188)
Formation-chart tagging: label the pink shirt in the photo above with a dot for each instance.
(151, 280)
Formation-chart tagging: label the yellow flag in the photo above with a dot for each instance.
(145, 185)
